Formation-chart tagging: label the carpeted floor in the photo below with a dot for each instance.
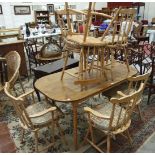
(139, 130)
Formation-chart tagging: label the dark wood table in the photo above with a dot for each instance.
(18, 46)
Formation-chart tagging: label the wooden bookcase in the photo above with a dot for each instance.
(42, 17)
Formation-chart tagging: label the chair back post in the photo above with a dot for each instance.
(68, 19)
(19, 106)
(124, 114)
(134, 82)
(13, 64)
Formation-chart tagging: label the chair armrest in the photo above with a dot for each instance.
(121, 93)
(26, 94)
(43, 112)
(95, 113)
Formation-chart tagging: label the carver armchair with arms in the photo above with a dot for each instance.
(111, 118)
(35, 116)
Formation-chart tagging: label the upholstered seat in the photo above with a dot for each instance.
(106, 109)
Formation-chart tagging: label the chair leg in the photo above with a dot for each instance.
(149, 95)
(129, 137)
(108, 144)
(85, 138)
(1, 107)
(36, 141)
(61, 133)
(139, 111)
(65, 63)
(53, 131)
(22, 136)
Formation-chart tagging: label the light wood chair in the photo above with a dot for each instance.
(35, 116)
(86, 45)
(134, 84)
(111, 118)
(13, 61)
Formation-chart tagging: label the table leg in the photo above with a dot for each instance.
(75, 125)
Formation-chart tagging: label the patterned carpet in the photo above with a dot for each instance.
(140, 131)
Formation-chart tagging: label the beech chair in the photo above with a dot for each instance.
(134, 84)
(35, 116)
(111, 118)
(12, 61)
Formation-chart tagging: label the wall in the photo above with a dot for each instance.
(9, 20)
(2, 22)
(149, 11)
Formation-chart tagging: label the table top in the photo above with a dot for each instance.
(66, 91)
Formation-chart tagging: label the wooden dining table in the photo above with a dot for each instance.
(68, 92)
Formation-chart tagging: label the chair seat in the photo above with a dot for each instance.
(106, 109)
(36, 108)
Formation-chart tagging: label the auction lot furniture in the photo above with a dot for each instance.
(112, 118)
(66, 91)
(35, 116)
(101, 48)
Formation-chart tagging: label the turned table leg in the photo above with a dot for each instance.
(75, 125)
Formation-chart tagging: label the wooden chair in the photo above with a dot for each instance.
(31, 51)
(137, 34)
(111, 118)
(35, 116)
(86, 45)
(13, 62)
(151, 83)
(134, 84)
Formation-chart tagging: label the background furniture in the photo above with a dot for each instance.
(15, 46)
(151, 83)
(9, 33)
(42, 17)
(137, 34)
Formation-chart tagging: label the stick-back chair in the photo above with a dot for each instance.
(88, 45)
(111, 118)
(35, 116)
(133, 85)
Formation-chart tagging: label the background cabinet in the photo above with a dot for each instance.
(42, 17)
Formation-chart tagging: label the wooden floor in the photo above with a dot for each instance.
(7, 144)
